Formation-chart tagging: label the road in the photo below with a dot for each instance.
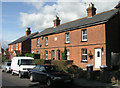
(10, 81)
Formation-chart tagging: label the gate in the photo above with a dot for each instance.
(115, 58)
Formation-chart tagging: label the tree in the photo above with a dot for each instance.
(64, 54)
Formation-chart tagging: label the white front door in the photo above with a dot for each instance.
(97, 58)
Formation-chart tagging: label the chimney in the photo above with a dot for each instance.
(91, 10)
(28, 31)
(56, 21)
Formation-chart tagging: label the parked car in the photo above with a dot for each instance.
(6, 67)
(50, 74)
(21, 65)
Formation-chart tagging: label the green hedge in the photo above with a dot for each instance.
(34, 55)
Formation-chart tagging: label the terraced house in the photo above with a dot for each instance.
(89, 40)
(22, 45)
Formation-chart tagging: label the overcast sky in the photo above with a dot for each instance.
(17, 15)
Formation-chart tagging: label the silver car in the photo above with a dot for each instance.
(6, 67)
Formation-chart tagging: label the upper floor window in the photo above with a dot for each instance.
(11, 47)
(0, 50)
(84, 35)
(46, 55)
(67, 38)
(46, 41)
(84, 54)
(37, 42)
(17, 46)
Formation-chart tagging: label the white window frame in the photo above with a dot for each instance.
(84, 35)
(37, 41)
(0, 50)
(46, 55)
(84, 54)
(67, 38)
(19, 46)
(68, 54)
(46, 41)
(11, 47)
(32, 51)
(16, 46)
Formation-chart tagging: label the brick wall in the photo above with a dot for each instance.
(95, 39)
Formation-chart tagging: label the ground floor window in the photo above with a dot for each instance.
(58, 54)
(53, 54)
(68, 54)
(46, 55)
(84, 54)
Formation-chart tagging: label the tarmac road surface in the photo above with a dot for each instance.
(13, 81)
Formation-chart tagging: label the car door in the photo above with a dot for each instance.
(34, 72)
(42, 74)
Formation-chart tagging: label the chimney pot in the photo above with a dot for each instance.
(91, 10)
(56, 21)
(28, 31)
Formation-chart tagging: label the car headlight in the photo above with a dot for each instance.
(57, 78)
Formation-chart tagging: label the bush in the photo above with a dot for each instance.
(73, 69)
(61, 64)
(39, 61)
(64, 54)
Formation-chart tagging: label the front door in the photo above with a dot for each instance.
(97, 58)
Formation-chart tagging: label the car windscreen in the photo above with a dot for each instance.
(8, 64)
(27, 62)
(52, 69)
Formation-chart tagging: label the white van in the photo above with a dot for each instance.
(21, 65)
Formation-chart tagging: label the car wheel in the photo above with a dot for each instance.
(2, 70)
(32, 78)
(6, 70)
(20, 75)
(12, 73)
(49, 83)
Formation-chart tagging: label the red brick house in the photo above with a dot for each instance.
(89, 40)
(22, 45)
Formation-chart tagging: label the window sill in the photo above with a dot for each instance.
(67, 43)
(84, 61)
(38, 46)
(83, 41)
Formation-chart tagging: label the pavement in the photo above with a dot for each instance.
(93, 84)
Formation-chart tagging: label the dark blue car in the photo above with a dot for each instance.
(50, 74)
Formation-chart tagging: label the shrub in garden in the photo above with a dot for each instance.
(73, 69)
(61, 64)
(64, 54)
(39, 61)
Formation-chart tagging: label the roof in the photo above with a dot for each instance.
(80, 23)
(24, 38)
(117, 6)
